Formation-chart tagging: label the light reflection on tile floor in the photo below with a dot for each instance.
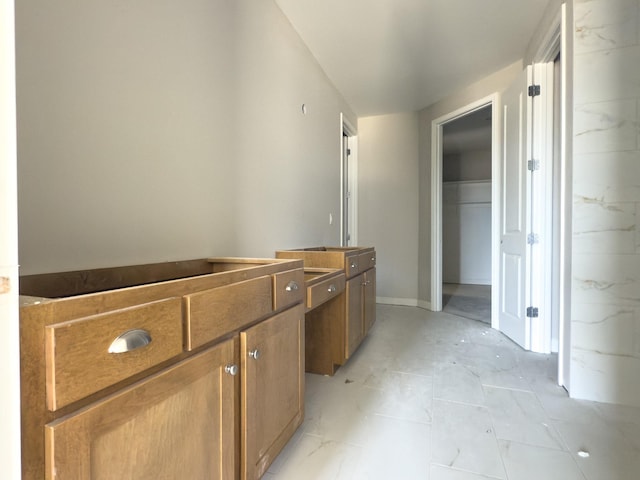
(432, 396)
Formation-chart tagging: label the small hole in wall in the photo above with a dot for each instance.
(304, 109)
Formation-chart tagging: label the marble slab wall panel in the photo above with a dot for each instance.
(605, 300)
(605, 377)
(605, 126)
(608, 75)
(605, 279)
(607, 329)
(607, 177)
(600, 227)
(605, 24)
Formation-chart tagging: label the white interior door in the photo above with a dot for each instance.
(514, 280)
(524, 239)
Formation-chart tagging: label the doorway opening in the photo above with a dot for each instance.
(480, 199)
(466, 215)
(348, 183)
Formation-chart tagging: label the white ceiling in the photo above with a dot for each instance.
(389, 56)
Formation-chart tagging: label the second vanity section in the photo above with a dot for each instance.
(188, 369)
(335, 329)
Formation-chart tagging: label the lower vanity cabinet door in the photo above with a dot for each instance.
(176, 424)
(272, 401)
(354, 326)
(369, 299)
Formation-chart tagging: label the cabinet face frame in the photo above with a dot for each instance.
(197, 382)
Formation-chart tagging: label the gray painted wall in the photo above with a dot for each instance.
(388, 202)
(496, 82)
(162, 131)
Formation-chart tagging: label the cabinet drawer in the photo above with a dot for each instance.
(351, 267)
(288, 288)
(366, 260)
(213, 313)
(323, 291)
(82, 356)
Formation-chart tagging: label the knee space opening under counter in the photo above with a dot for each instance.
(336, 326)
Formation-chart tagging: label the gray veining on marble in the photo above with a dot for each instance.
(605, 328)
(600, 227)
(606, 279)
(605, 24)
(607, 177)
(608, 75)
(605, 127)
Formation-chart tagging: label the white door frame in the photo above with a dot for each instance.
(553, 42)
(9, 326)
(436, 198)
(347, 129)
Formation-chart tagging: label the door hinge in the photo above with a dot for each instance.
(532, 312)
(533, 165)
(534, 90)
(533, 238)
(348, 151)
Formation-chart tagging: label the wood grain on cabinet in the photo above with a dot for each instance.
(77, 351)
(288, 288)
(325, 337)
(216, 312)
(179, 423)
(320, 292)
(39, 315)
(367, 260)
(333, 336)
(272, 401)
(353, 319)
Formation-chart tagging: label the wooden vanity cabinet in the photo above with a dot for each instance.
(361, 309)
(214, 390)
(178, 423)
(341, 324)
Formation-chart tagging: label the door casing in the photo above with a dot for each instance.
(436, 196)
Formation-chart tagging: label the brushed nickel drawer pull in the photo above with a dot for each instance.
(292, 286)
(331, 289)
(130, 340)
(353, 265)
(231, 369)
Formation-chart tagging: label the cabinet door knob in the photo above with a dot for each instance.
(353, 265)
(231, 369)
(291, 286)
(255, 354)
(331, 289)
(130, 340)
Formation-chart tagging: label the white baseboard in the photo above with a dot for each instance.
(407, 302)
(424, 304)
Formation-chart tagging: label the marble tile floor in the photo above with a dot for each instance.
(469, 301)
(433, 396)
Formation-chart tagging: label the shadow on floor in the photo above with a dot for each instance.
(469, 301)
